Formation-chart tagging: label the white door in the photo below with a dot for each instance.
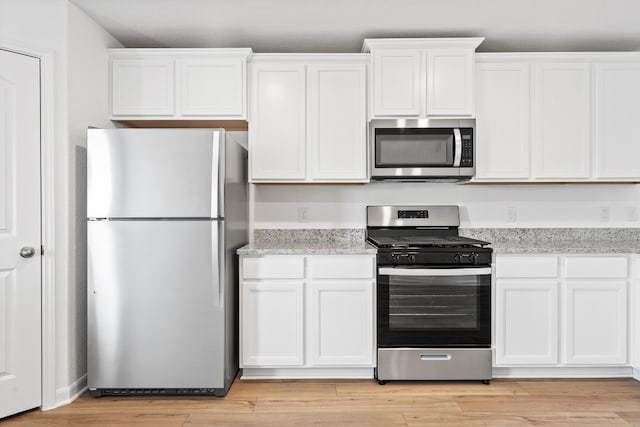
(503, 117)
(450, 82)
(337, 122)
(20, 327)
(277, 131)
(396, 82)
(562, 121)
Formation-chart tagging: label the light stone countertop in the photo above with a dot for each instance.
(503, 241)
(308, 242)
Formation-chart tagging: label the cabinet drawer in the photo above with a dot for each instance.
(273, 267)
(527, 266)
(341, 267)
(589, 267)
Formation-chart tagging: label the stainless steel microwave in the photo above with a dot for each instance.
(420, 150)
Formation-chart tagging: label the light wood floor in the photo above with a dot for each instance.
(278, 403)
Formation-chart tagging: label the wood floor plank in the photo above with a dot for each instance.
(252, 389)
(556, 419)
(357, 404)
(102, 420)
(307, 418)
(408, 388)
(632, 418)
(581, 387)
(549, 403)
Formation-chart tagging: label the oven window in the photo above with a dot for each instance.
(436, 304)
(434, 310)
(413, 148)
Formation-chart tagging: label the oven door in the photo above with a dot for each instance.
(434, 306)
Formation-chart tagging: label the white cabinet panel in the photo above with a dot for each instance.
(592, 267)
(562, 121)
(273, 267)
(142, 87)
(526, 266)
(595, 326)
(212, 87)
(450, 82)
(396, 82)
(272, 324)
(635, 315)
(503, 120)
(337, 118)
(277, 138)
(616, 107)
(527, 322)
(340, 322)
(341, 267)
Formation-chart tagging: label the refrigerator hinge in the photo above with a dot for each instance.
(41, 250)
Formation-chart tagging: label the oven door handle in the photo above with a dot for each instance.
(392, 271)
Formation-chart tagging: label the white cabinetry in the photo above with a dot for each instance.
(308, 118)
(557, 117)
(307, 316)
(561, 125)
(422, 77)
(178, 84)
(561, 311)
(617, 92)
(635, 317)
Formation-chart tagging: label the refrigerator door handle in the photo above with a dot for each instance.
(217, 175)
(221, 260)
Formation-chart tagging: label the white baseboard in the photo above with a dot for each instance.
(636, 374)
(66, 395)
(305, 373)
(565, 372)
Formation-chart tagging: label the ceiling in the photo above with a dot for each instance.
(341, 25)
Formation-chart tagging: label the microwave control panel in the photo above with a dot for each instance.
(466, 160)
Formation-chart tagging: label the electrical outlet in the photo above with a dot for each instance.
(511, 214)
(632, 214)
(303, 214)
(603, 213)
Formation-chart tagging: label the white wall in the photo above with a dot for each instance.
(80, 88)
(566, 205)
(88, 105)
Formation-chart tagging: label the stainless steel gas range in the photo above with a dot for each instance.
(433, 295)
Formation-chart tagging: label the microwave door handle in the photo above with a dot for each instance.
(392, 271)
(457, 152)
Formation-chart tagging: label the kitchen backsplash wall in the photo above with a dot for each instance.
(537, 206)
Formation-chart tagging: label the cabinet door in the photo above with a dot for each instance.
(616, 107)
(212, 87)
(527, 322)
(337, 119)
(272, 323)
(595, 324)
(396, 82)
(142, 87)
(561, 125)
(503, 120)
(277, 122)
(635, 316)
(450, 82)
(340, 323)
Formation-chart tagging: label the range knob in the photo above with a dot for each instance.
(412, 258)
(457, 258)
(472, 258)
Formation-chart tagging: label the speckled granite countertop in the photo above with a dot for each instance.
(308, 242)
(558, 240)
(503, 241)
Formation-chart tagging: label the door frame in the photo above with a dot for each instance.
(47, 225)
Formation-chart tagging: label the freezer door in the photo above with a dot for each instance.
(154, 173)
(155, 317)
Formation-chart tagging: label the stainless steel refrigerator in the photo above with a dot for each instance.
(166, 211)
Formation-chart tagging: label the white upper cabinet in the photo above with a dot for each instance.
(616, 108)
(561, 121)
(422, 77)
(502, 120)
(277, 132)
(557, 117)
(308, 118)
(175, 84)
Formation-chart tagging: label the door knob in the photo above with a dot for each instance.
(27, 252)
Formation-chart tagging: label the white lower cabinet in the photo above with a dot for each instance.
(563, 312)
(307, 316)
(635, 317)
